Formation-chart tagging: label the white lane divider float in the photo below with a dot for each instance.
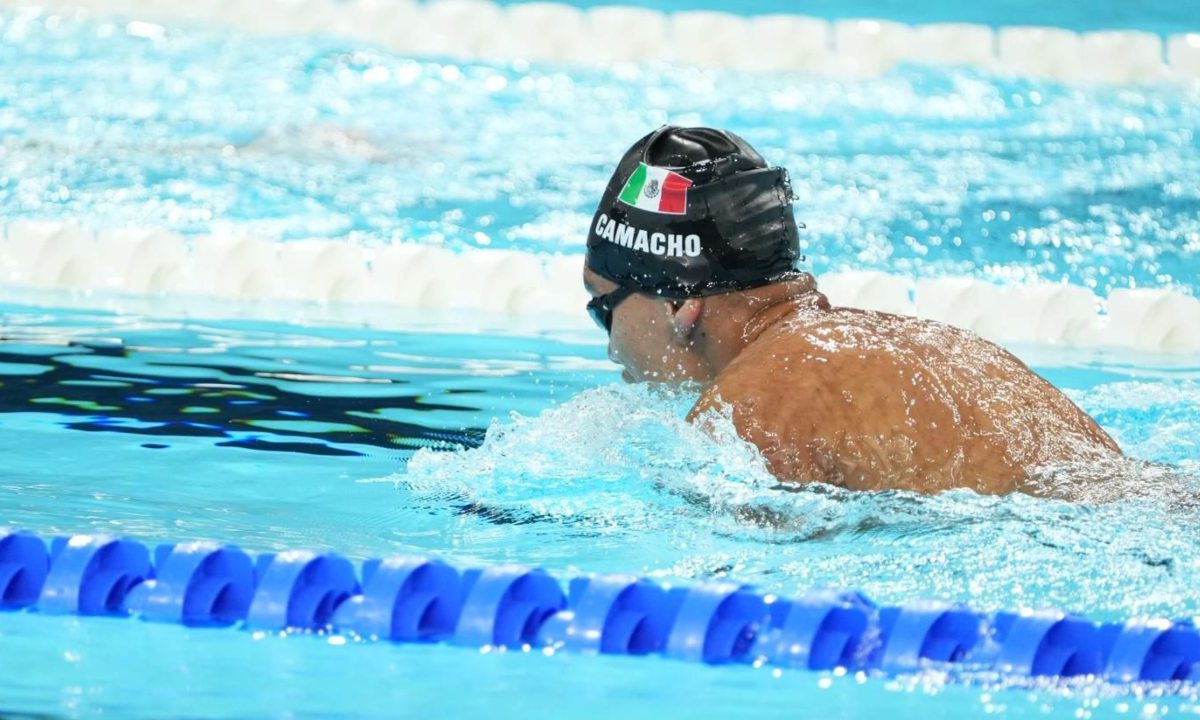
(1156, 319)
(557, 32)
(226, 266)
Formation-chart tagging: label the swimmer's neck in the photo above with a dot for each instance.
(736, 321)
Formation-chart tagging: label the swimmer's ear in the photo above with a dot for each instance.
(685, 316)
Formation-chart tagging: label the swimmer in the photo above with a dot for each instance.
(691, 265)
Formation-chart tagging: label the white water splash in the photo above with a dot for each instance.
(617, 446)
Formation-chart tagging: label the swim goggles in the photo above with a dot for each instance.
(601, 307)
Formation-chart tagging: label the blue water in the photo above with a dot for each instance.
(486, 441)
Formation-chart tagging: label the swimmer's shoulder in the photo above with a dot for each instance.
(818, 343)
(792, 359)
(810, 362)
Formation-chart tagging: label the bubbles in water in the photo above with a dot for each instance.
(1151, 420)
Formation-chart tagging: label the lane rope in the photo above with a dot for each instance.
(421, 599)
(156, 263)
(558, 32)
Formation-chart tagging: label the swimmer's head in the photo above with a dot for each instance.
(690, 213)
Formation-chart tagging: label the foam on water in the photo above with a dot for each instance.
(593, 456)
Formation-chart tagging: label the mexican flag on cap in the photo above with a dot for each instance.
(657, 190)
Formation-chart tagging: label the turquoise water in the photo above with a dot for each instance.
(117, 668)
(484, 440)
(577, 473)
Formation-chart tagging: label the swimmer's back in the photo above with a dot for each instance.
(875, 401)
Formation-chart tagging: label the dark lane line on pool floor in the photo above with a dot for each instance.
(220, 400)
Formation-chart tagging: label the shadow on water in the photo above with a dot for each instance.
(187, 401)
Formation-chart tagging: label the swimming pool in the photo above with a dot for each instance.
(321, 427)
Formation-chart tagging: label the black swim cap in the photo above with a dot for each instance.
(692, 212)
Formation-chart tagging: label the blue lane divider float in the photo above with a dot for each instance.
(819, 631)
(615, 614)
(299, 589)
(405, 599)
(92, 574)
(506, 605)
(24, 564)
(417, 599)
(196, 583)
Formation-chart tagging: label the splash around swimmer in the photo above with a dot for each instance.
(691, 265)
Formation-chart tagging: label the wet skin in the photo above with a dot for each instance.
(863, 400)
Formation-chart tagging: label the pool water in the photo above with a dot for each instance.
(483, 440)
(368, 443)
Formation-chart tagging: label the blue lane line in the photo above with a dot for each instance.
(420, 599)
